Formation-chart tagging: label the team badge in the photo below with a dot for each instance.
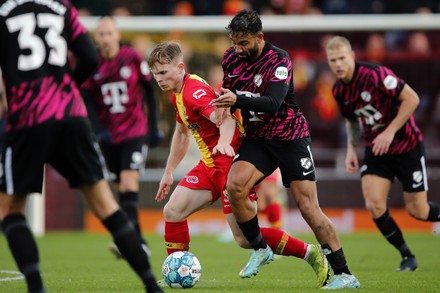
(366, 96)
(258, 80)
(417, 176)
(281, 72)
(390, 82)
(306, 163)
(144, 68)
(125, 72)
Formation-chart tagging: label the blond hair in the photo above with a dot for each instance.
(337, 42)
(165, 52)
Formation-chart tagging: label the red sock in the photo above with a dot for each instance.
(273, 213)
(176, 236)
(283, 244)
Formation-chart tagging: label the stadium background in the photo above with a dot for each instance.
(408, 43)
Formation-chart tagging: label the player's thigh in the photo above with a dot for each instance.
(416, 203)
(375, 190)
(184, 202)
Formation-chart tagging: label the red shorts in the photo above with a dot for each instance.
(214, 180)
(274, 177)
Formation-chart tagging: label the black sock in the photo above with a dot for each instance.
(388, 227)
(128, 243)
(336, 259)
(251, 231)
(129, 203)
(434, 212)
(24, 250)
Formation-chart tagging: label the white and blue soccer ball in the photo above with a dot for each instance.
(181, 269)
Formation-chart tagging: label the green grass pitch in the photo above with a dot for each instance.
(80, 262)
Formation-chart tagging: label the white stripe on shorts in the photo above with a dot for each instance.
(8, 171)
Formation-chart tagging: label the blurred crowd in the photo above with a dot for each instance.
(230, 7)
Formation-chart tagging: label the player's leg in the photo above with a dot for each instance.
(298, 173)
(182, 203)
(268, 202)
(21, 242)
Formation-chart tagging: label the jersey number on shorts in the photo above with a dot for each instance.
(25, 24)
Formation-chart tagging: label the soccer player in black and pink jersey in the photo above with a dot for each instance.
(258, 80)
(118, 95)
(47, 123)
(371, 97)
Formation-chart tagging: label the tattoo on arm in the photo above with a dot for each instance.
(353, 131)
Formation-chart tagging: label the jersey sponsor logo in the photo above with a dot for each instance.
(115, 94)
(390, 82)
(192, 179)
(199, 93)
(366, 96)
(125, 72)
(281, 72)
(258, 80)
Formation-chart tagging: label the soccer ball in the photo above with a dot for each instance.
(181, 269)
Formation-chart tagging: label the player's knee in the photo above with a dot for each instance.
(171, 214)
(235, 190)
(417, 212)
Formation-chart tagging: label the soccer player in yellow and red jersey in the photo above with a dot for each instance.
(196, 116)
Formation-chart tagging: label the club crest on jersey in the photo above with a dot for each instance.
(390, 82)
(281, 72)
(192, 179)
(417, 176)
(306, 163)
(258, 79)
(144, 68)
(366, 96)
(125, 72)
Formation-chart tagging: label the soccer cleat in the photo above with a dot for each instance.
(343, 281)
(115, 250)
(408, 264)
(319, 263)
(258, 258)
(161, 283)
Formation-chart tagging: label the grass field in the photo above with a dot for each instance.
(79, 262)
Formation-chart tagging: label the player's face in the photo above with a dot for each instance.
(169, 77)
(341, 62)
(107, 37)
(247, 47)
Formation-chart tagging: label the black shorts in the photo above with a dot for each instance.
(68, 146)
(127, 155)
(409, 168)
(294, 158)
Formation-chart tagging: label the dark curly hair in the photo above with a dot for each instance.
(245, 22)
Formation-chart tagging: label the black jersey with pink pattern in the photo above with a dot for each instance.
(373, 97)
(35, 39)
(252, 80)
(116, 88)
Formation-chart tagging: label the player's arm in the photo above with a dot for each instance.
(409, 100)
(353, 128)
(86, 58)
(227, 129)
(179, 147)
(269, 102)
(154, 134)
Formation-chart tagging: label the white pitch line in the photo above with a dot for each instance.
(18, 276)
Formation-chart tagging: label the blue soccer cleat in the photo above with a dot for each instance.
(258, 258)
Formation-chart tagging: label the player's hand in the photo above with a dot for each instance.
(164, 187)
(351, 162)
(382, 142)
(224, 149)
(227, 99)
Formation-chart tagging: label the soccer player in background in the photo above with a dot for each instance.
(371, 97)
(47, 123)
(115, 94)
(258, 80)
(205, 183)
